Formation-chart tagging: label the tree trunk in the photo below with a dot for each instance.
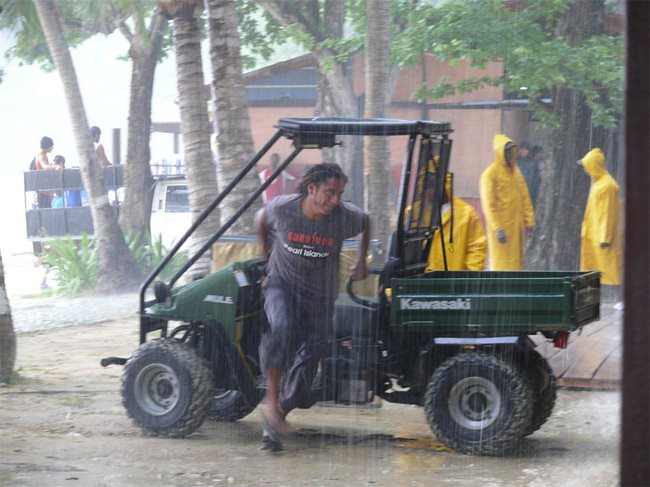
(115, 263)
(7, 335)
(145, 47)
(378, 96)
(565, 186)
(234, 138)
(199, 167)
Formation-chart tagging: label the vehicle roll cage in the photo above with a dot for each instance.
(417, 218)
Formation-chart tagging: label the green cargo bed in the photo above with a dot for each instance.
(494, 303)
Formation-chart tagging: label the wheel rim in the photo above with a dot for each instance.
(474, 403)
(157, 389)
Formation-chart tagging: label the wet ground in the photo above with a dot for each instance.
(64, 424)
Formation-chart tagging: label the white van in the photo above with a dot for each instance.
(170, 210)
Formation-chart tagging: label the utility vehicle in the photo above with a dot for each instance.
(456, 343)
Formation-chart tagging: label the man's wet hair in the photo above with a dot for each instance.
(95, 131)
(320, 173)
(46, 143)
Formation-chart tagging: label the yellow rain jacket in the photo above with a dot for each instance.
(601, 222)
(467, 249)
(506, 205)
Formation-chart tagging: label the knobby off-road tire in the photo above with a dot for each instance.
(167, 388)
(230, 371)
(544, 387)
(231, 405)
(476, 403)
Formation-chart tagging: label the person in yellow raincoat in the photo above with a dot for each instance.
(506, 206)
(600, 245)
(465, 243)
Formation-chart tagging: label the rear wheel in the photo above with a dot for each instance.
(544, 388)
(477, 403)
(231, 405)
(235, 394)
(167, 388)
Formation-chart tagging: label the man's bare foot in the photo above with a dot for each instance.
(275, 424)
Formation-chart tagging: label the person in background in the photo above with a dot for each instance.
(42, 163)
(600, 247)
(524, 151)
(529, 163)
(281, 183)
(96, 134)
(465, 242)
(507, 207)
(58, 198)
(301, 236)
(59, 160)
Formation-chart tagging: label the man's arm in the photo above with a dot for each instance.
(360, 268)
(262, 234)
(101, 155)
(44, 162)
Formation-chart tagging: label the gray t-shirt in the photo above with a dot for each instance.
(305, 252)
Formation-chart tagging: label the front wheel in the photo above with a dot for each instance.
(167, 388)
(477, 403)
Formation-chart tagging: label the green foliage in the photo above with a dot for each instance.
(258, 32)
(19, 17)
(75, 264)
(148, 253)
(81, 20)
(535, 60)
(309, 32)
(10, 378)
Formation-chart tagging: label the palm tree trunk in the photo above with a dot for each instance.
(114, 260)
(234, 138)
(192, 99)
(7, 335)
(378, 96)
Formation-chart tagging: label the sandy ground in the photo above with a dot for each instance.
(63, 424)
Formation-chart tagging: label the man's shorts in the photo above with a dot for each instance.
(294, 324)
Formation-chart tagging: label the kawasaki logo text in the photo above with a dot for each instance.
(460, 304)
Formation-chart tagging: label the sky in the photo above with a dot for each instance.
(33, 105)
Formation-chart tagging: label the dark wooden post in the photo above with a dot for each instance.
(635, 438)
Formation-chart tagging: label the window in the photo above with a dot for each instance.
(177, 199)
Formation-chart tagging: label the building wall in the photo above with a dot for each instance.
(475, 117)
(474, 128)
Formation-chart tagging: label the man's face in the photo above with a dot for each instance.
(325, 198)
(510, 153)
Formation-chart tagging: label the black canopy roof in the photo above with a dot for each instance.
(358, 126)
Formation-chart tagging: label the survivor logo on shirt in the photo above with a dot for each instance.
(306, 241)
